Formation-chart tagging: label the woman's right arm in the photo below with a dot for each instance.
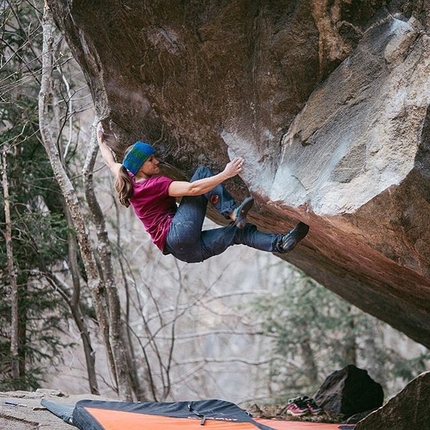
(202, 186)
(106, 152)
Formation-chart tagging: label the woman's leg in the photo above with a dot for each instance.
(188, 243)
(184, 237)
(216, 241)
(218, 196)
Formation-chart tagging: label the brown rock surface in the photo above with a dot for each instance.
(406, 411)
(327, 101)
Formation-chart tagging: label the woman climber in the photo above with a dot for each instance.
(177, 230)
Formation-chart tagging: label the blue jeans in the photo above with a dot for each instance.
(186, 240)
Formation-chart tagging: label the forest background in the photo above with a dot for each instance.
(89, 305)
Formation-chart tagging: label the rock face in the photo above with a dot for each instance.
(327, 101)
(349, 391)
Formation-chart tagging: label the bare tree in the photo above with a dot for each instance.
(97, 286)
(14, 337)
(168, 316)
(122, 371)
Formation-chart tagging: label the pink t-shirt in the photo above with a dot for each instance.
(154, 207)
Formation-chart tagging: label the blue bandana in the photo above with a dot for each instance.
(136, 156)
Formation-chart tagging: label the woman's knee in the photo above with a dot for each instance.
(187, 254)
(201, 172)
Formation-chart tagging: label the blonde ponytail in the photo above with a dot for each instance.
(124, 187)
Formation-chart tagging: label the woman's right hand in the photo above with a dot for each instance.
(202, 186)
(234, 167)
(100, 132)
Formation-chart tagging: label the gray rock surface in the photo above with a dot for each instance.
(21, 410)
(327, 101)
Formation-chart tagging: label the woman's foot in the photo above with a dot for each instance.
(239, 214)
(288, 241)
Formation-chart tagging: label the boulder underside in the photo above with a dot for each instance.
(328, 101)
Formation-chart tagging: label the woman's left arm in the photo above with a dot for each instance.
(106, 151)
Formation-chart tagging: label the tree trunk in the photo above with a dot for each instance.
(94, 282)
(75, 307)
(115, 320)
(142, 385)
(309, 362)
(351, 342)
(14, 332)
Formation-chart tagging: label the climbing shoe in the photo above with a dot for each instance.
(241, 212)
(288, 241)
(296, 407)
(312, 406)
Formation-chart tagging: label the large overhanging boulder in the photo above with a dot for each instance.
(327, 101)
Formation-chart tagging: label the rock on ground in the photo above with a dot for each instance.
(409, 410)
